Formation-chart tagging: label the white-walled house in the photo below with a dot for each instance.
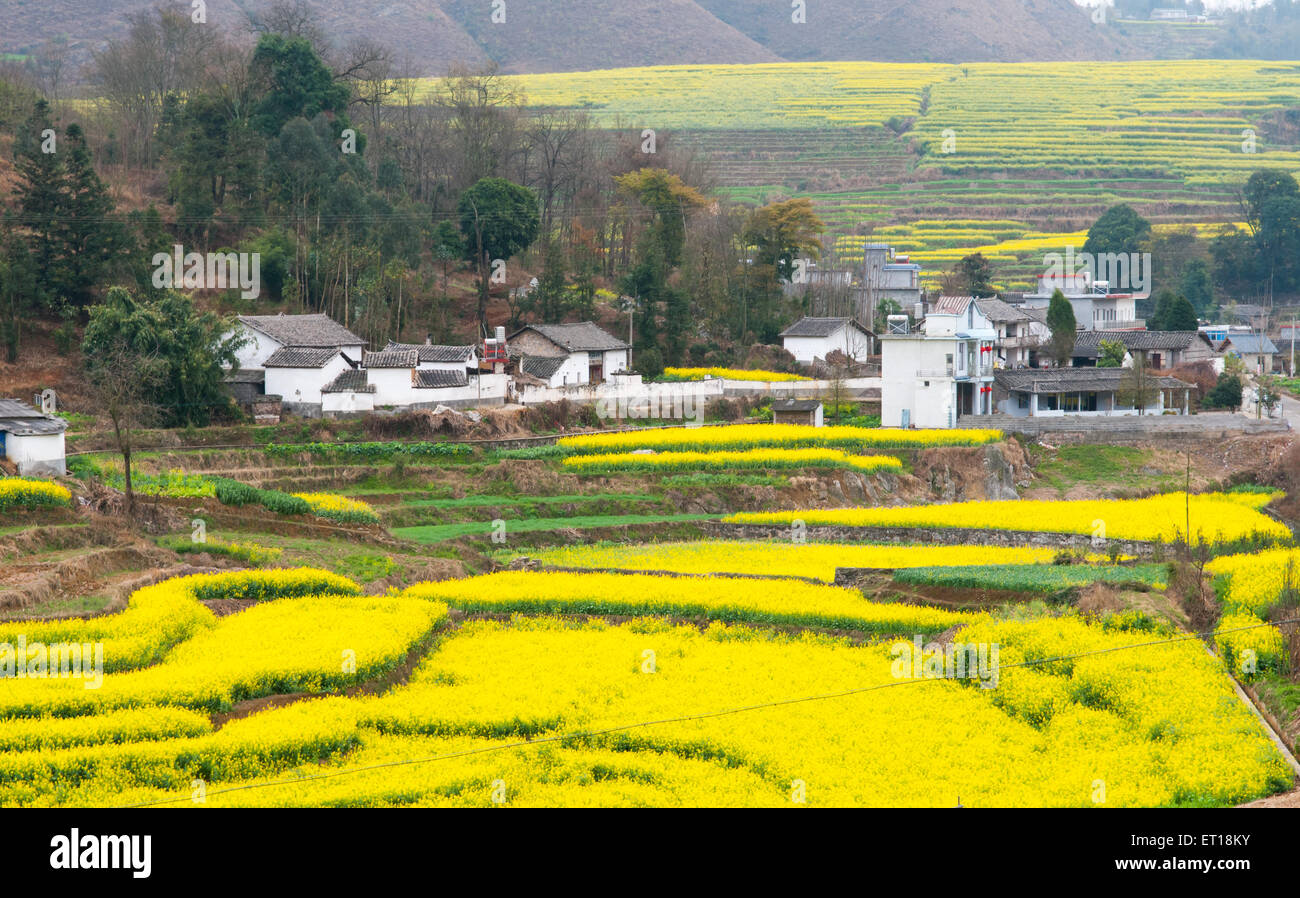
(392, 374)
(297, 375)
(31, 439)
(433, 357)
(588, 353)
(266, 334)
(1095, 307)
(935, 377)
(1057, 392)
(812, 339)
(1020, 333)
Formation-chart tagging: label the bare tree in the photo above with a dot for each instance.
(291, 18)
(163, 53)
(122, 381)
(482, 106)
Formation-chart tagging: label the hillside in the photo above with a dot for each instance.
(579, 35)
(923, 30)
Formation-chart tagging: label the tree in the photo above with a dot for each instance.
(122, 376)
(1064, 328)
(1181, 316)
(1119, 230)
(498, 219)
(1225, 394)
(185, 350)
(1112, 355)
(1272, 207)
(782, 233)
(1139, 387)
(972, 276)
(17, 289)
(1198, 286)
(67, 211)
(669, 201)
(294, 82)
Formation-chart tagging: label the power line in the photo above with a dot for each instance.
(707, 715)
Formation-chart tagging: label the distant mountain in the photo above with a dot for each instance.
(573, 35)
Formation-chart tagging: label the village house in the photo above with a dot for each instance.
(811, 340)
(1020, 333)
(264, 335)
(1056, 392)
(1160, 349)
(1255, 350)
(31, 440)
(579, 353)
(1095, 306)
(941, 374)
(297, 375)
(432, 357)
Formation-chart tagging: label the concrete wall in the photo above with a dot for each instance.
(41, 454)
(335, 405)
(915, 382)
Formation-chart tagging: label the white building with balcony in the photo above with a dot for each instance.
(1095, 306)
(944, 372)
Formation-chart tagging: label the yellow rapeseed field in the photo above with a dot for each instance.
(773, 436)
(748, 458)
(816, 561)
(22, 492)
(1214, 517)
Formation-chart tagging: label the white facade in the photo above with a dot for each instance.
(935, 378)
(302, 386)
(393, 386)
(35, 454)
(848, 339)
(347, 402)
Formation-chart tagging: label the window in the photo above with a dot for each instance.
(1023, 400)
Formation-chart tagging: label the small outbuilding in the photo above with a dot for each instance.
(805, 412)
(32, 440)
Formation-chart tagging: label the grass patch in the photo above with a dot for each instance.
(1118, 467)
(1044, 578)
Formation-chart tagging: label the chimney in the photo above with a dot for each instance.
(428, 339)
(501, 335)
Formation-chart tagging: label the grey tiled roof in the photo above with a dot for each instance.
(795, 405)
(440, 380)
(817, 327)
(397, 358)
(301, 357)
(303, 330)
(540, 366)
(996, 310)
(1074, 380)
(951, 305)
(20, 419)
(245, 376)
(433, 353)
(1088, 343)
(352, 381)
(585, 336)
(1251, 344)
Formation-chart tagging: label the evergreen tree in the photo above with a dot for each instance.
(1064, 328)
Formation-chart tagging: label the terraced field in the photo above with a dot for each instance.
(1017, 152)
(351, 633)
